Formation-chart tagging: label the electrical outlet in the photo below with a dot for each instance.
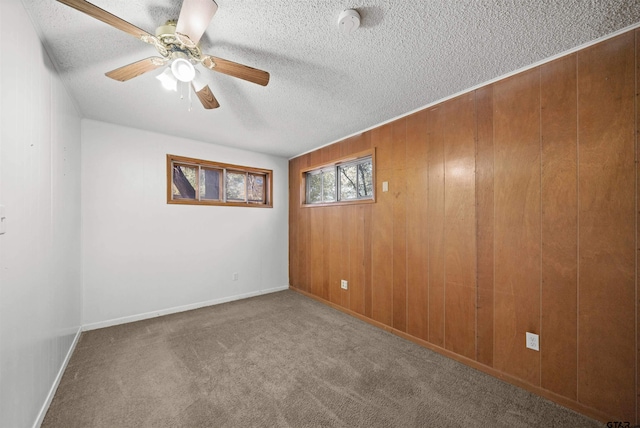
(344, 284)
(234, 277)
(533, 341)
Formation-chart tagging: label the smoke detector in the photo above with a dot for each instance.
(349, 21)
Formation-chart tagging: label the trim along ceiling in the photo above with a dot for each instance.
(325, 85)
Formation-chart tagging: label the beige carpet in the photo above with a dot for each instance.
(280, 360)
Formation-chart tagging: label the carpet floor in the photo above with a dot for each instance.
(280, 360)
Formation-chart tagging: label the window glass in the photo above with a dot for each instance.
(365, 179)
(348, 182)
(255, 187)
(185, 181)
(314, 189)
(236, 186)
(329, 185)
(210, 184)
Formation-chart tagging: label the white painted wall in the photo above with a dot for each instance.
(40, 290)
(143, 257)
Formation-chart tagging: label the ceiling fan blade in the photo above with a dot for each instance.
(104, 16)
(234, 69)
(136, 69)
(206, 98)
(195, 17)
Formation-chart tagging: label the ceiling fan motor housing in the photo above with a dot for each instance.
(169, 28)
(174, 45)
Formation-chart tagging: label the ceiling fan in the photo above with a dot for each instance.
(177, 43)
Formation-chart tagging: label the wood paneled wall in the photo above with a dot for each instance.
(511, 209)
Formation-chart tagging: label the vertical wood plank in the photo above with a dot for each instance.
(559, 226)
(304, 242)
(355, 223)
(316, 241)
(382, 224)
(398, 189)
(367, 257)
(333, 219)
(332, 239)
(362, 143)
(382, 140)
(332, 234)
(294, 215)
(637, 243)
(606, 305)
(460, 225)
(416, 157)
(316, 252)
(417, 229)
(517, 223)
(360, 241)
(367, 212)
(326, 251)
(347, 240)
(360, 250)
(314, 238)
(484, 221)
(345, 147)
(314, 158)
(350, 145)
(435, 196)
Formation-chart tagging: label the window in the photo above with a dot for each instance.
(200, 182)
(348, 180)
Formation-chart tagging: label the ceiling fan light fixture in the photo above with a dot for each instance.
(167, 79)
(183, 70)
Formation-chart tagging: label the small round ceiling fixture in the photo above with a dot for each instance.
(349, 21)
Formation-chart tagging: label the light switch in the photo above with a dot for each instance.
(3, 220)
(385, 186)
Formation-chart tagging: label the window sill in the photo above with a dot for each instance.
(217, 203)
(342, 203)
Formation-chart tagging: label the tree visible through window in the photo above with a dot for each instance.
(351, 180)
(196, 181)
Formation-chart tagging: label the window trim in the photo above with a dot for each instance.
(268, 203)
(345, 160)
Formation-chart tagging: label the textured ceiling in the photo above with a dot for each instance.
(324, 85)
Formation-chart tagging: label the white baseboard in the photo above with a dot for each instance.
(56, 382)
(147, 315)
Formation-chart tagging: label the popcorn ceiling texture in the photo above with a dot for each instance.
(324, 85)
